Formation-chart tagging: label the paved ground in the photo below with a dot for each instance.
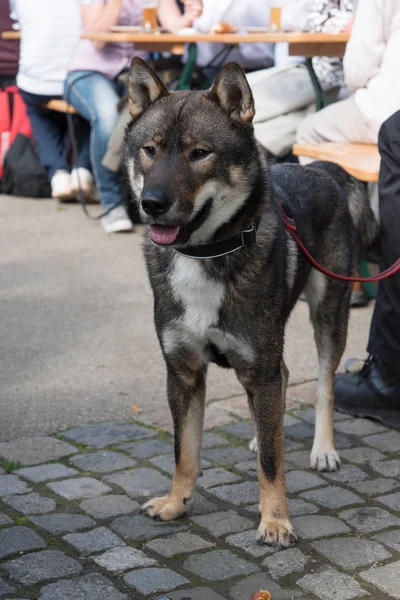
(70, 527)
(77, 342)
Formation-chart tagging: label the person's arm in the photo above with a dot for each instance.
(365, 48)
(171, 18)
(97, 16)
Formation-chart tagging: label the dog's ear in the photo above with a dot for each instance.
(145, 87)
(232, 92)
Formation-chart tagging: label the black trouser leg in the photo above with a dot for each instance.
(384, 340)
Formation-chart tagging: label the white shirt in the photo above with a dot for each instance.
(50, 29)
(372, 59)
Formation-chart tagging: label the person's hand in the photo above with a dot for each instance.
(349, 26)
(193, 10)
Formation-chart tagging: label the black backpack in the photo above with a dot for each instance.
(23, 174)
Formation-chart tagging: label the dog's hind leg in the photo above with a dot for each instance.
(329, 303)
(285, 378)
(186, 397)
(264, 391)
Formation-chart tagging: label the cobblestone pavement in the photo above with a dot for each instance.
(71, 528)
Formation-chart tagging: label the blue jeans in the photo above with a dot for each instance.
(95, 97)
(49, 129)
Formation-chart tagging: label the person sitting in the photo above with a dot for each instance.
(94, 87)
(371, 73)
(174, 16)
(49, 33)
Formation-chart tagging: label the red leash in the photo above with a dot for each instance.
(290, 225)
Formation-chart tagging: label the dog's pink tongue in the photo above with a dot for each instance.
(163, 235)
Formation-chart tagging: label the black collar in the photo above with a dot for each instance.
(222, 247)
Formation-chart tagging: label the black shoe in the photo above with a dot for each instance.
(372, 392)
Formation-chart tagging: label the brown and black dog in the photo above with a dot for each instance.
(226, 274)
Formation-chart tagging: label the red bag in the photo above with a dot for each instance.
(13, 120)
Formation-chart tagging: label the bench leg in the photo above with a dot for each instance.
(321, 99)
(369, 287)
(185, 79)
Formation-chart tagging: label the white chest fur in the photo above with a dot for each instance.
(200, 295)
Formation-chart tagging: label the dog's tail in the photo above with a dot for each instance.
(366, 224)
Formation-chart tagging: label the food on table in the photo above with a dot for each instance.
(224, 28)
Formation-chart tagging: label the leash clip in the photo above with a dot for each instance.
(248, 236)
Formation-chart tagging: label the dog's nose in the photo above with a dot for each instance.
(155, 204)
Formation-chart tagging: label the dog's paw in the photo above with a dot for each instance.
(253, 446)
(325, 460)
(165, 508)
(276, 532)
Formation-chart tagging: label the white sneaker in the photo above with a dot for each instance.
(84, 178)
(117, 220)
(61, 185)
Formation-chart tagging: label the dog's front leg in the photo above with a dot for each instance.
(267, 408)
(186, 397)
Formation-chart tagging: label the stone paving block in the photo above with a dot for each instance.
(331, 585)
(101, 435)
(342, 441)
(210, 440)
(147, 448)
(141, 482)
(389, 468)
(10, 484)
(250, 467)
(373, 487)
(228, 455)
(350, 553)
(150, 581)
(179, 543)
(333, 497)
(291, 445)
(218, 565)
(63, 523)
(46, 472)
(88, 587)
(312, 527)
(286, 562)
(104, 461)
(361, 455)
(360, 427)
(218, 476)
(111, 505)
(347, 474)
(19, 539)
(31, 504)
(35, 450)
(246, 541)
(75, 489)
(390, 538)
(289, 421)
(369, 518)
(385, 578)
(307, 414)
(200, 593)
(119, 559)
(223, 522)
(300, 431)
(386, 442)
(238, 493)
(41, 566)
(5, 520)
(297, 508)
(5, 588)
(391, 500)
(297, 481)
(300, 458)
(248, 586)
(201, 506)
(166, 463)
(244, 431)
(143, 528)
(96, 540)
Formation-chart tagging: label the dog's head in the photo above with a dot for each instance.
(190, 157)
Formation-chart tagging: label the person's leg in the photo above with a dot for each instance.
(95, 98)
(375, 390)
(48, 128)
(338, 122)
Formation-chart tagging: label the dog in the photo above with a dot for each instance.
(226, 274)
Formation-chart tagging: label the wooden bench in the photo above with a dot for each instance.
(360, 160)
(60, 106)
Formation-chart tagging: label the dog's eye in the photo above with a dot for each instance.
(199, 153)
(150, 151)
